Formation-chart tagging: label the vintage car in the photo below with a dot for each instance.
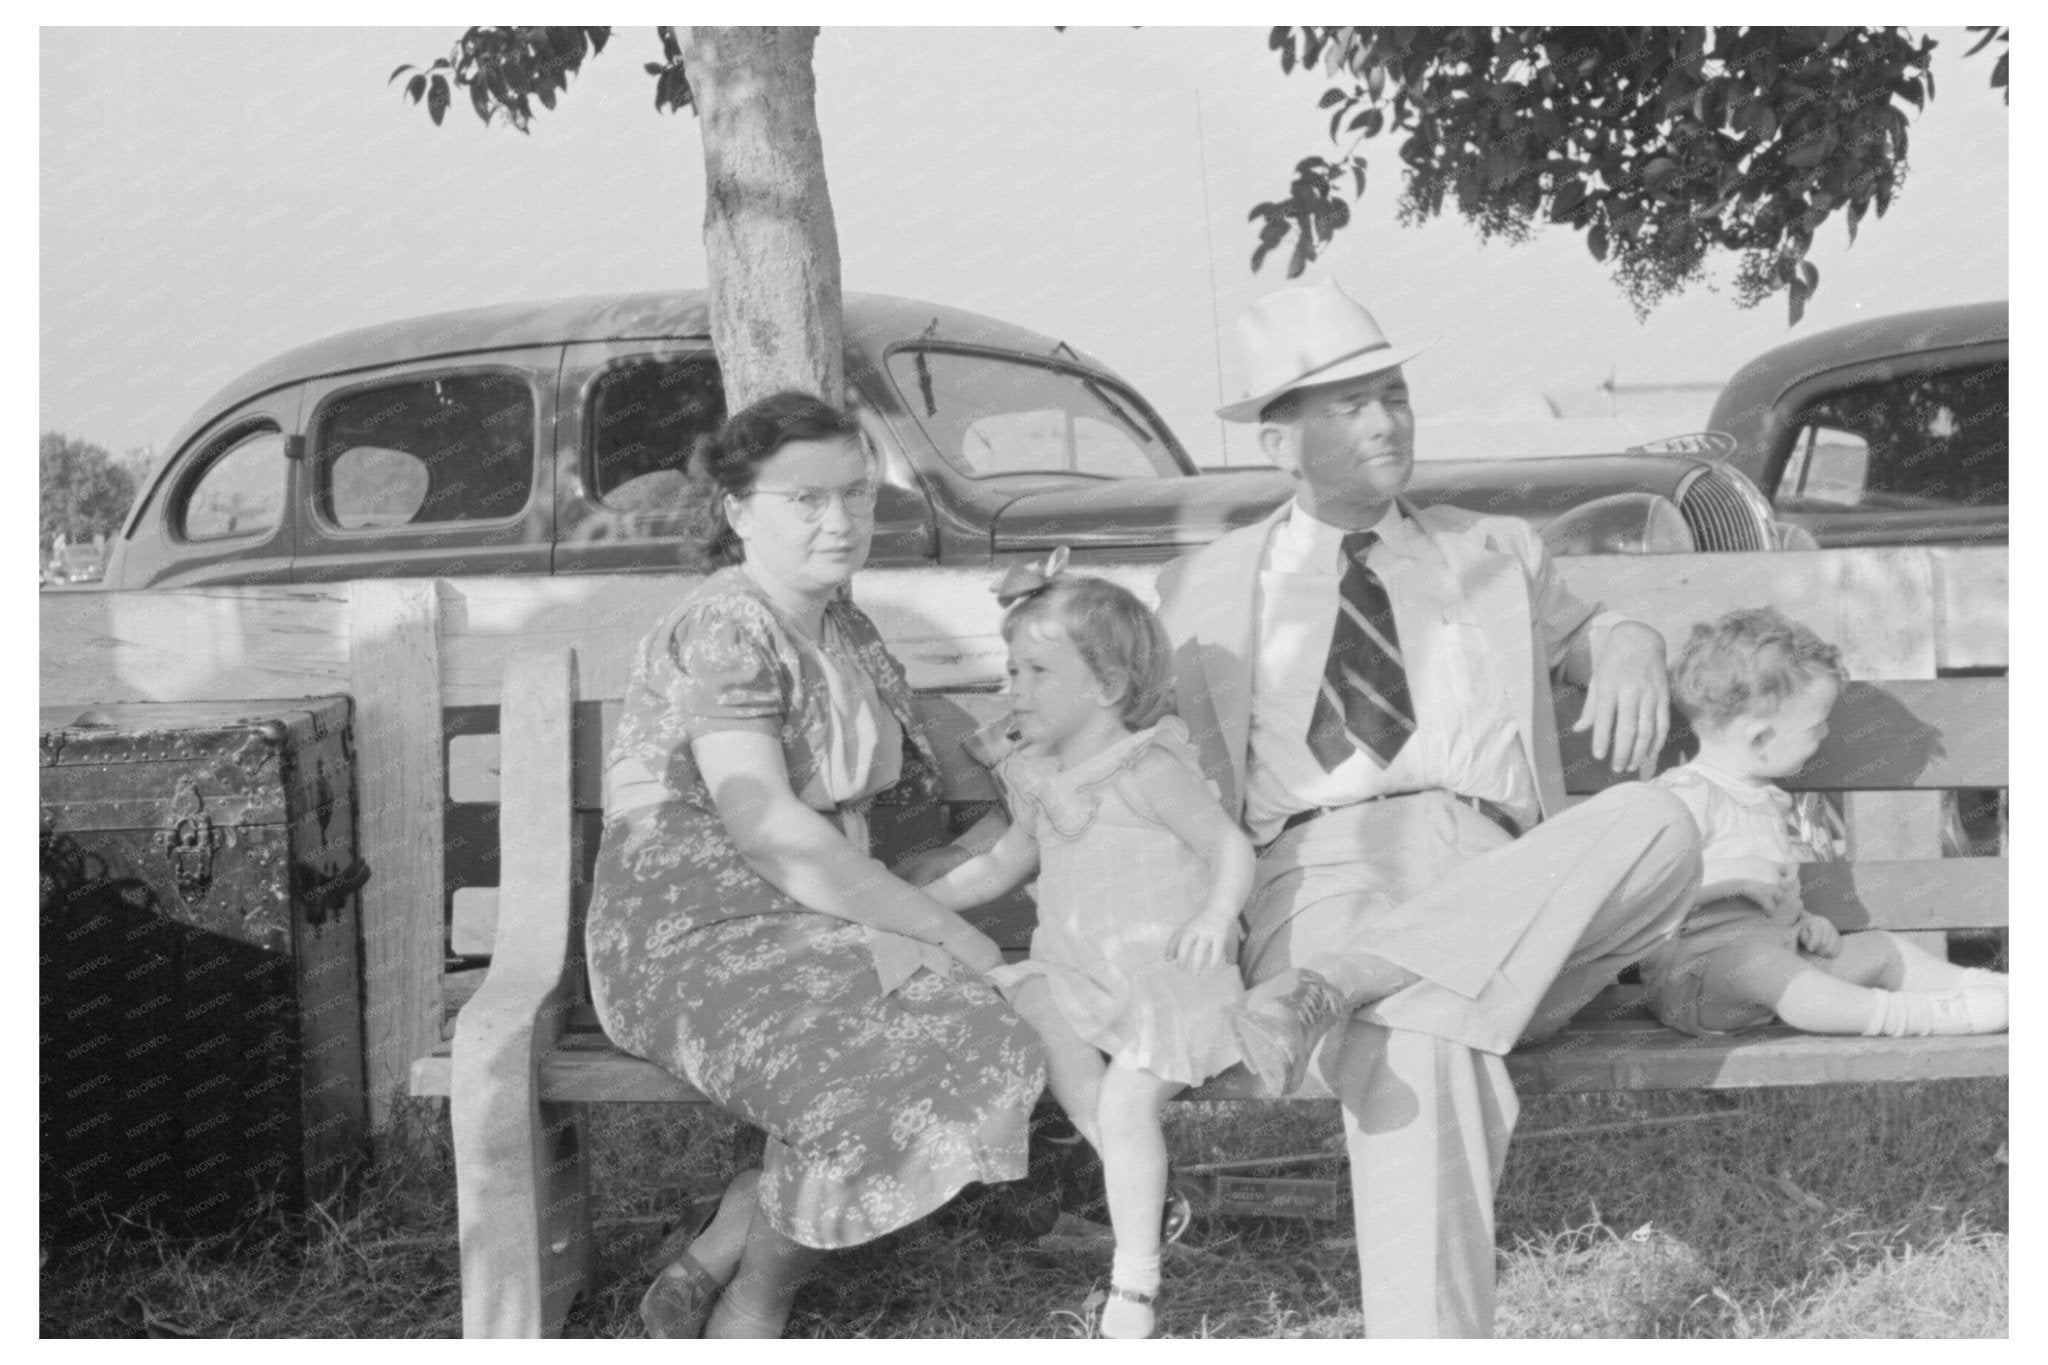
(1885, 432)
(551, 438)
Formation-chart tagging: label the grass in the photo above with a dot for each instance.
(1869, 1211)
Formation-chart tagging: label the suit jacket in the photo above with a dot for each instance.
(1208, 600)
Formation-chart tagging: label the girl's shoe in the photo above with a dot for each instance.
(1130, 1313)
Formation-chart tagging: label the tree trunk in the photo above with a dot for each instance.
(769, 238)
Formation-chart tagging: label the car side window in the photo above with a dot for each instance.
(240, 492)
(990, 416)
(433, 449)
(645, 417)
(1936, 439)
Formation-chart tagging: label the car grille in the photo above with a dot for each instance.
(1719, 517)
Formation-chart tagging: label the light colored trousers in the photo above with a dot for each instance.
(1510, 939)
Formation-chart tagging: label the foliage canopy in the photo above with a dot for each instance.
(1662, 145)
(85, 491)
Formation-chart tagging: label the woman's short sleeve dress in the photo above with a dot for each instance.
(1114, 885)
(879, 1105)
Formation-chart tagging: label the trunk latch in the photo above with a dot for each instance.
(189, 842)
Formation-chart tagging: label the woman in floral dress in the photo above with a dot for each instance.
(740, 936)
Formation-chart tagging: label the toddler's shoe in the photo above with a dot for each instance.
(1282, 1020)
(1980, 1008)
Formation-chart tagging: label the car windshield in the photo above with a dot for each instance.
(991, 416)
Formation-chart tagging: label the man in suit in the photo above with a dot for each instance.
(1376, 709)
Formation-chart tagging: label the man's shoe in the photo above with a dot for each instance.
(1282, 1020)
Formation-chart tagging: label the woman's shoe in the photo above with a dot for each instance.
(1175, 1218)
(679, 1302)
(688, 1227)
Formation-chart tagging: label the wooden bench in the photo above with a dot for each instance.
(525, 1059)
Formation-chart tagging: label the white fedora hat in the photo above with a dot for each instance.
(1307, 334)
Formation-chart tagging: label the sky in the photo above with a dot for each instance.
(210, 197)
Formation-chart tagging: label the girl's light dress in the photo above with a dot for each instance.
(1114, 885)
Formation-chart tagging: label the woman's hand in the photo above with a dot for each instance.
(1204, 942)
(928, 865)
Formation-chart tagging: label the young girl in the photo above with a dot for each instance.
(1142, 876)
(1758, 688)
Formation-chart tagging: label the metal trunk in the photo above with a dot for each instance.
(202, 1033)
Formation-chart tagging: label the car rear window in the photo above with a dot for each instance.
(1937, 439)
(430, 449)
(645, 417)
(240, 490)
(993, 415)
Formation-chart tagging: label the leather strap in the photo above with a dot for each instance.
(1492, 810)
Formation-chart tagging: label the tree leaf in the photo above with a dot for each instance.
(1566, 199)
(437, 99)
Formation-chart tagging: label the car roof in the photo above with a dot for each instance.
(1754, 387)
(872, 323)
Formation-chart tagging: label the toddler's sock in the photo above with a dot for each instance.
(1918, 1014)
(1125, 1318)
(1922, 972)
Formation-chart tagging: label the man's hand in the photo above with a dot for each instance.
(1818, 936)
(1204, 942)
(1628, 700)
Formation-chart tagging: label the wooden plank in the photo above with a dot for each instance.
(1937, 893)
(1973, 585)
(473, 768)
(1912, 734)
(485, 621)
(1876, 604)
(1646, 1056)
(201, 644)
(1919, 734)
(1905, 735)
(292, 641)
(1633, 1054)
(473, 921)
(1897, 825)
(394, 669)
(521, 1171)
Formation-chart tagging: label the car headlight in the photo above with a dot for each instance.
(1620, 524)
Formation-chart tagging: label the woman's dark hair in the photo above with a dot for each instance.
(726, 465)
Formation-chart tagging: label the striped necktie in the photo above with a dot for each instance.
(1364, 698)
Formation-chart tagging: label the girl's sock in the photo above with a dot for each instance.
(1977, 1008)
(1127, 1318)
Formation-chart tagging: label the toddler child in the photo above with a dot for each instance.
(1141, 878)
(1758, 688)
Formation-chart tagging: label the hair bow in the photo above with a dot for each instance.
(1028, 580)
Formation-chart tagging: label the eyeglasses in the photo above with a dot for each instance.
(810, 503)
